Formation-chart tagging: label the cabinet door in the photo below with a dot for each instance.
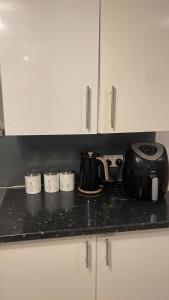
(137, 266)
(44, 270)
(134, 93)
(49, 56)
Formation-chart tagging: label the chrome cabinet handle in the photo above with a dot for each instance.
(113, 107)
(88, 108)
(2, 130)
(107, 252)
(87, 255)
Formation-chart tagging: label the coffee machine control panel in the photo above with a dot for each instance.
(148, 149)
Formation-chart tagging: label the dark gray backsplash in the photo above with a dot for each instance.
(21, 154)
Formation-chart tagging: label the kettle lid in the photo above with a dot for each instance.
(89, 154)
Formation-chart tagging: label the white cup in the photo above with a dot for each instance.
(67, 181)
(33, 183)
(51, 182)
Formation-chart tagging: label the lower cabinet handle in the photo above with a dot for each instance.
(107, 252)
(87, 254)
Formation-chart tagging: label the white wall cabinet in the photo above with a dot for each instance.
(137, 266)
(48, 58)
(134, 93)
(50, 269)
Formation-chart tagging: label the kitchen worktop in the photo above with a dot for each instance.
(29, 217)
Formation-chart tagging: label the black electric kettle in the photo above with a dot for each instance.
(91, 173)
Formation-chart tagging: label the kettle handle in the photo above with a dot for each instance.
(154, 191)
(105, 165)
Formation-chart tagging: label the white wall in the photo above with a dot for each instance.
(163, 138)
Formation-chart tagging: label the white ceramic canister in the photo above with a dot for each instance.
(51, 182)
(67, 181)
(33, 183)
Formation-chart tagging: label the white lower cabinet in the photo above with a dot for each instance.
(122, 266)
(51, 269)
(133, 266)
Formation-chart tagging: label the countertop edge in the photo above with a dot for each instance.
(81, 232)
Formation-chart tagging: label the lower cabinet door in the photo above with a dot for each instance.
(133, 266)
(59, 269)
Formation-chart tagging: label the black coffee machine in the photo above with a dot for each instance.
(145, 171)
(93, 172)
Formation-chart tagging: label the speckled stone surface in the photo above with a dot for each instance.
(30, 217)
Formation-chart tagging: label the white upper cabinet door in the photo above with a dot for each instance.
(134, 75)
(136, 266)
(48, 270)
(48, 59)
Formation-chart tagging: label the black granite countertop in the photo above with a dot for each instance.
(63, 214)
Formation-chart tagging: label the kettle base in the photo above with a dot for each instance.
(90, 192)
